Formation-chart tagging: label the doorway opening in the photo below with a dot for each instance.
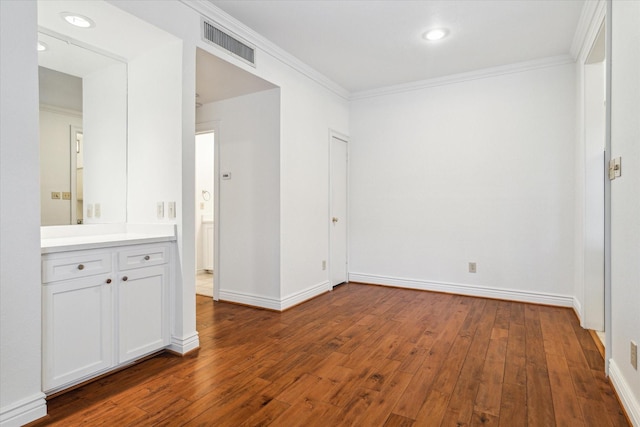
(595, 145)
(205, 173)
(338, 202)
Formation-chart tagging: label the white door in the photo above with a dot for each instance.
(77, 324)
(338, 211)
(143, 311)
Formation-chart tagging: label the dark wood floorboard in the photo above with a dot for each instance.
(363, 356)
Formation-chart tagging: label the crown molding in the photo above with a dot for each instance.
(592, 16)
(235, 27)
(583, 26)
(484, 73)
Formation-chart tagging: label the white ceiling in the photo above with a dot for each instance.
(363, 45)
(211, 71)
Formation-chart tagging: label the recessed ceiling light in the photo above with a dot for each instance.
(78, 20)
(42, 46)
(435, 34)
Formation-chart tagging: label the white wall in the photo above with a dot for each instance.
(249, 217)
(155, 124)
(308, 114)
(478, 171)
(105, 143)
(55, 163)
(308, 110)
(625, 202)
(21, 399)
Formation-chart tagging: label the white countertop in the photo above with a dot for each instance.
(81, 237)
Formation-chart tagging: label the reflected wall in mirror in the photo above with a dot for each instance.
(83, 132)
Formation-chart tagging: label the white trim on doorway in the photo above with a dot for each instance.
(205, 127)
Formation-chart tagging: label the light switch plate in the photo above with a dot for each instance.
(55, 195)
(160, 210)
(89, 210)
(172, 210)
(96, 210)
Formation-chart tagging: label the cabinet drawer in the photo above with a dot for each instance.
(142, 256)
(72, 267)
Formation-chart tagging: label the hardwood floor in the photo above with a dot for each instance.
(365, 356)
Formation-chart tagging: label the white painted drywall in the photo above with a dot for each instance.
(55, 164)
(479, 171)
(249, 217)
(155, 120)
(625, 201)
(104, 95)
(308, 110)
(21, 398)
(308, 114)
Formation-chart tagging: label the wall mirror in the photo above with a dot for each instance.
(83, 127)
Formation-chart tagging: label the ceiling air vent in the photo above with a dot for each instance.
(230, 44)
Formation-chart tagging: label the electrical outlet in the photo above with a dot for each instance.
(55, 195)
(96, 210)
(472, 267)
(634, 355)
(66, 195)
(160, 210)
(89, 210)
(324, 264)
(172, 210)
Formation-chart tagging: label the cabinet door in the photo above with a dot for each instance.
(77, 329)
(143, 311)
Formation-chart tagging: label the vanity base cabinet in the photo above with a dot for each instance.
(77, 330)
(96, 321)
(142, 311)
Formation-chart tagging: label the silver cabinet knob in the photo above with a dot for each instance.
(147, 257)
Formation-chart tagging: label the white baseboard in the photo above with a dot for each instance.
(24, 411)
(250, 299)
(184, 345)
(577, 307)
(630, 403)
(274, 303)
(304, 295)
(461, 289)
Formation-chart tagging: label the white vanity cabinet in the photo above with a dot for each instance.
(77, 328)
(143, 301)
(103, 308)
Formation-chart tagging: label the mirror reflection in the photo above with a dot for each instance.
(83, 121)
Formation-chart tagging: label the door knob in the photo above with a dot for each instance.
(334, 219)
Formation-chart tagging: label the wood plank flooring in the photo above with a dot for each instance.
(363, 356)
